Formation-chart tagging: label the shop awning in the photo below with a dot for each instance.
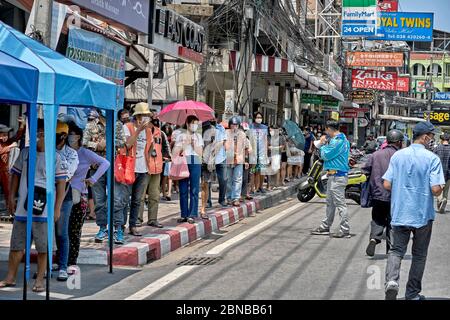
(399, 118)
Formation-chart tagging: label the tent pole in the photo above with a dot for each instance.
(110, 128)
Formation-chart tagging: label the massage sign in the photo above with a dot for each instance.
(375, 80)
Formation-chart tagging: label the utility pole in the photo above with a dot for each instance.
(202, 85)
(430, 86)
(42, 20)
(151, 59)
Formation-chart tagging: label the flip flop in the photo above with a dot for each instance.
(38, 288)
(204, 216)
(4, 284)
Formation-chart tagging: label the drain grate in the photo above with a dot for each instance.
(199, 261)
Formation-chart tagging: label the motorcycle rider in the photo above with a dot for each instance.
(334, 150)
(376, 167)
(371, 145)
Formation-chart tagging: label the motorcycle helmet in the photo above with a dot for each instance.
(395, 136)
(234, 120)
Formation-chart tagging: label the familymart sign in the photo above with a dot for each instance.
(359, 18)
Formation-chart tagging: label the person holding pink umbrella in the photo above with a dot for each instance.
(190, 145)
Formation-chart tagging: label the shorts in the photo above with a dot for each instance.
(257, 168)
(38, 234)
(284, 157)
(207, 176)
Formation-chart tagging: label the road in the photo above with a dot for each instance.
(271, 256)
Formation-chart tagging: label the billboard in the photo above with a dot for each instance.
(374, 59)
(403, 84)
(404, 26)
(359, 18)
(388, 5)
(437, 117)
(375, 80)
(100, 55)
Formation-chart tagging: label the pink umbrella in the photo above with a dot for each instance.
(177, 113)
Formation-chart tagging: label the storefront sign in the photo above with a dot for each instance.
(362, 97)
(374, 59)
(100, 55)
(376, 80)
(359, 18)
(311, 98)
(442, 96)
(388, 5)
(437, 117)
(405, 26)
(403, 84)
(176, 36)
(349, 114)
(127, 14)
(421, 86)
(328, 101)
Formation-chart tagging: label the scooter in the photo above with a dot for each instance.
(315, 183)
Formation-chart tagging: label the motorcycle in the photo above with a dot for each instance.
(315, 183)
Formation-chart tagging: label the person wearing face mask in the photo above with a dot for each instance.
(6, 144)
(190, 145)
(259, 140)
(414, 176)
(79, 184)
(70, 158)
(235, 147)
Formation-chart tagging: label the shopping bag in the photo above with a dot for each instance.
(124, 167)
(179, 169)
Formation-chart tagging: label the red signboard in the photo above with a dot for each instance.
(403, 84)
(351, 114)
(375, 80)
(388, 5)
(190, 54)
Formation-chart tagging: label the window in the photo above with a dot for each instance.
(435, 70)
(418, 70)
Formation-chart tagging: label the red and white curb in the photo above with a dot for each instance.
(163, 241)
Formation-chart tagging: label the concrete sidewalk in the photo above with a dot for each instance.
(156, 243)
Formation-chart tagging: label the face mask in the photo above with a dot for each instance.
(430, 144)
(73, 140)
(60, 138)
(258, 121)
(125, 120)
(145, 119)
(194, 127)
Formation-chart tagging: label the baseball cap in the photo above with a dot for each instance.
(62, 127)
(423, 128)
(4, 129)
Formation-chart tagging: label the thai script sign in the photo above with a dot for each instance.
(374, 59)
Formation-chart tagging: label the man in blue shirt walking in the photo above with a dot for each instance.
(335, 155)
(414, 176)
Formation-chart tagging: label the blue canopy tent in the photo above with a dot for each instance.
(19, 84)
(62, 82)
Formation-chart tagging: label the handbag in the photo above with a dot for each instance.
(124, 166)
(179, 169)
(39, 198)
(366, 197)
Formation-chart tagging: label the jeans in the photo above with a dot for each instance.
(336, 200)
(221, 171)
(400, 239)
(189, 191)
(121, 203)
(100, 199)
(245, 180)
(234, 186)
(136, 190)
(381, 219)
(62, 233)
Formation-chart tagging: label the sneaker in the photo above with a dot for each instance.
(101, 235)
(321, 231)
(418, 297)
(370, 251)
(62, 276)
(341, 235)
(118, 236)
(442, 205)
(391, 290)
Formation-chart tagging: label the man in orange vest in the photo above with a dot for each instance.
(143, 141)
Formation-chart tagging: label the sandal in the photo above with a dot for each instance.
(4, 284)
(204, 216)
(248, 198)
(236, 203)
(182, 220)
(37, 288)
(191, 220)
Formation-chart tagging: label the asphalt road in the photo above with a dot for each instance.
(272, 256)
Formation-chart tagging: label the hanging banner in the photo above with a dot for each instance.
(100, 55)
(359, 18)
(388, 5)
(403, 84)
(404, 26)
(362, 97)
(374, 59)
(376, 80)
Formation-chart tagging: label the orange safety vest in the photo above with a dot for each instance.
(154, 164)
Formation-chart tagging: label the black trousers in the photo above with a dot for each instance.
(307, 162)
(381, 219)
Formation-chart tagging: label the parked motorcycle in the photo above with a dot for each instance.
(315, 183)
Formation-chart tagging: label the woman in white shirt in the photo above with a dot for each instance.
(190, 144)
